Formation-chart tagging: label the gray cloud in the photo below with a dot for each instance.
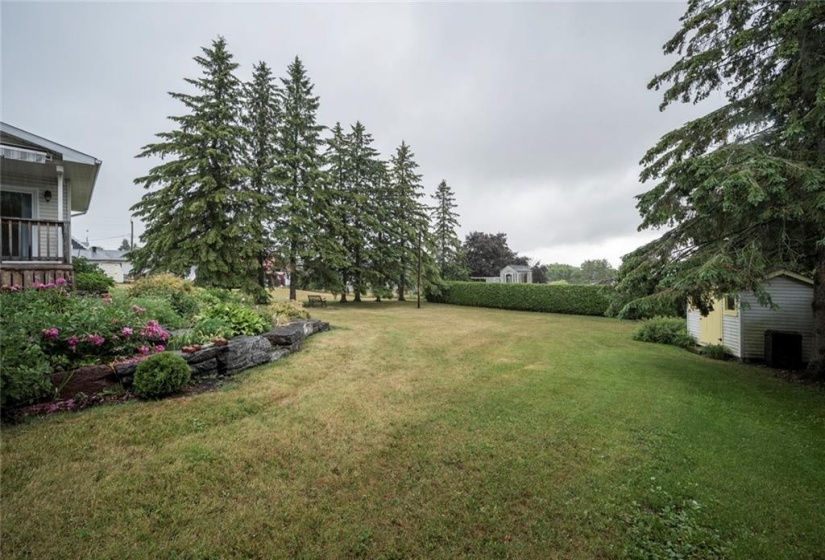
(536, 114)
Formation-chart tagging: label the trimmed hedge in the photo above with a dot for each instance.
(571, 299)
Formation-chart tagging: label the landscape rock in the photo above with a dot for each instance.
(286, 335)
(204, 354)
(204, 367)
(89, 380)
(244, 352)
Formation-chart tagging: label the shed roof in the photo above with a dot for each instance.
(792, 276)
(518, 267)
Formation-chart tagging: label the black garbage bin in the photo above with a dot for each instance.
(783, 349)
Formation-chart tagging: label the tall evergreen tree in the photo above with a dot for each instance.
(197, 213)
(262, 117)
(448, 249)
(409, 218)
(298, 175)
(741, 189)
(363, 173)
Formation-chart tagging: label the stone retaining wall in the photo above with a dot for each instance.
(238, 354)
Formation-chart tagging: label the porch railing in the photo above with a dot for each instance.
(34, 240)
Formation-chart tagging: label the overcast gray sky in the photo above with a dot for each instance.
(535, 114)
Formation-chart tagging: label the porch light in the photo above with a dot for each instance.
(48, 196)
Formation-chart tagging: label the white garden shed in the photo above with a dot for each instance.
(740, 323)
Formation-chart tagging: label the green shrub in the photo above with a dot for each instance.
(571, 299)
(93, 282)
(286, 312)
(160, 309)
(89, 277)
(162, 374)
(25, 372)
(665, 330)
(714, 351)
(185, 305)
(241, 320)
(161, 285)
(211, 327)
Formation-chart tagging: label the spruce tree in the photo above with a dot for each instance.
(409, 217)
(298, 175)
(363, 171)
(448, 251)
(262, 117)
(197, 211)
(740, 190)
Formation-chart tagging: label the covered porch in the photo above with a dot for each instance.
(42, 186)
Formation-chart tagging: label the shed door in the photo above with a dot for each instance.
(710, 327)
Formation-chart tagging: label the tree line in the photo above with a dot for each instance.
(248, 181)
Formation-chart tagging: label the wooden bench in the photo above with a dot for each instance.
(312, 300)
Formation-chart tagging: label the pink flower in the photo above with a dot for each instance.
(106, 298)
(95, 339)
(61, 282)
(37, 285)
(153, 331)
(143, 350)
(49, 285)
(126, 331)
(50, 334)
(73, 340)
(138, 309)
(15, 288)
(159, 348)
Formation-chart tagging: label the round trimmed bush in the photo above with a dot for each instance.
(162, 374)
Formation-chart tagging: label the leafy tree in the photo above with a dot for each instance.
(594, 272)
(741, 189)
(298, 174)
(539, 273)
(198, 213)
(559, 271)
(262, 118)
(487, 253)
(448, 250)
(124, 245)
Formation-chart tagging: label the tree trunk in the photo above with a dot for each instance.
(401, 289)
(261, 272)
(292, 279)
(344, 288)
(816, 367)
(357, 277)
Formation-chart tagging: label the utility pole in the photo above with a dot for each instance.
(419, 271)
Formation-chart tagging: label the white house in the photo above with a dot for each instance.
(510, 274)
(113, 263)
(43, 184)
(740, 323)
(516, 274)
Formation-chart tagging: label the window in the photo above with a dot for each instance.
(731, 305)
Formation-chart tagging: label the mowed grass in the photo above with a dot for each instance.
(443, 432)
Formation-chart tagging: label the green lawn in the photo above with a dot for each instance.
(436, 433)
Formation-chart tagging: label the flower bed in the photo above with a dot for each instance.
(50, 339)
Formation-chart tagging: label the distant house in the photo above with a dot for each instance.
(751, 331)
(510, 274)
(516, 274)
(113, 263)
(42, 185)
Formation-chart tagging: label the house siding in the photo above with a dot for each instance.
(730, 334)
(794, 314)
(693, 317)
